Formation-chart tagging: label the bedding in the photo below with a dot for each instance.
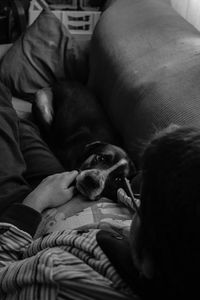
(81, 214)
(64, 265)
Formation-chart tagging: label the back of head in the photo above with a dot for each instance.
(170, 209)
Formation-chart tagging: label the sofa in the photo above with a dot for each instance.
(142, 64)
(144, 69)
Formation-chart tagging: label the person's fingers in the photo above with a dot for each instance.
(69, 177)
(122, 194)
(70, 192)
(123, 198)
(51, 178)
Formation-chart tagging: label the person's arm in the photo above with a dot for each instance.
(53, 191)
(18, 223)
(23, 217)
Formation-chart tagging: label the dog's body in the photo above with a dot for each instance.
(81, 137)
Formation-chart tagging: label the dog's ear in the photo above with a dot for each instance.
(132, 169)
(136, 182)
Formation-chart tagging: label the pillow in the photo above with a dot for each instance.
(46, 52)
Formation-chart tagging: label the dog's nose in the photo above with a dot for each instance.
(91, 182)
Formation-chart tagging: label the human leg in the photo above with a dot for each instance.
(13, 186)
(40, 160)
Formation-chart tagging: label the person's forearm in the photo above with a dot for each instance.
(53, 191)
(23, 217)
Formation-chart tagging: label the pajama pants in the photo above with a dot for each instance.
(25, 159)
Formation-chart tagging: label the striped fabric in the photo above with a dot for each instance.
(62, 265)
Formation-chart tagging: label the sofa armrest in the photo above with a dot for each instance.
(144, 69)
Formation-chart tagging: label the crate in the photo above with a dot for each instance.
(75, 4)
(90, 4)
(77, 22)
(63, 4)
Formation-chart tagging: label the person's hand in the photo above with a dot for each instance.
(122, 197)
(53, 191)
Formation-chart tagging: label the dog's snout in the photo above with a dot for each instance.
(91, 181)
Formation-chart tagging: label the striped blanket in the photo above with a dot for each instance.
(61, 265)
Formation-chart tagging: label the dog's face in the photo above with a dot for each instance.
(101, 171)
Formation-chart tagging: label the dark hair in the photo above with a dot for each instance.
(170, 207)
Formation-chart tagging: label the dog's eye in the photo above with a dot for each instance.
(98, 158)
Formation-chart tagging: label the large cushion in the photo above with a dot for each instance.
(46, 52)
(145, 66)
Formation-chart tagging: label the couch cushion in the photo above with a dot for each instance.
(145, 66)
(3, 49)
(45, 53)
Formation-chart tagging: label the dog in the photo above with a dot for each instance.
(78, 132)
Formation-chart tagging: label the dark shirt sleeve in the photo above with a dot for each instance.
(23, 217)
(117, 249)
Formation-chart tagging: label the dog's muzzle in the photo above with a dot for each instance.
(91, 183)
